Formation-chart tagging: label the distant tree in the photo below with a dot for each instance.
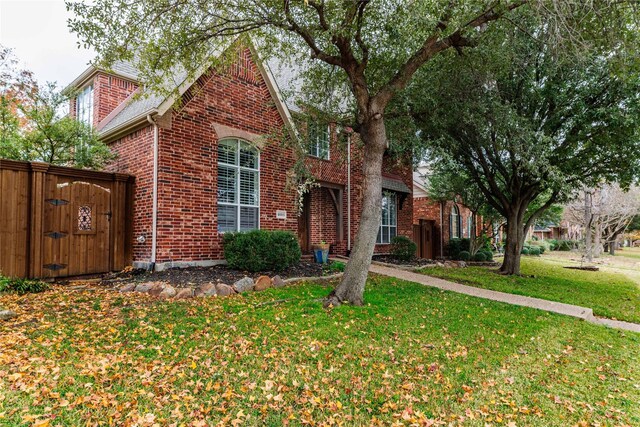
(605, 212)
(33, 126)
(527, 126)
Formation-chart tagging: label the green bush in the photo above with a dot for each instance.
(22, 286)
(480, 257)
(403, 248)
(488, 254)
(566, 245)
(456, 246)
(553, 244)
(464, 256)
(337, 266)
(525, 251)
(261, 250)
(534, 251)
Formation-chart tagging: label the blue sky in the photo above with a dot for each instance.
(37, 32)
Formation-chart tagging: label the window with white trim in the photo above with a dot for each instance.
(318, 134)
(470, 226)
(84, 106)
(238, 186)
(389, 223)
(455, 222)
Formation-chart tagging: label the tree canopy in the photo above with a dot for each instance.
(528, 126)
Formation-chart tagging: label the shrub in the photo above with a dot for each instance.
(464, 256)
(456, 246)
(534, 251)
(488, 254)
(22, 286)
(553, 244)
(525, 251)
(337, 266)
(566, 245)
(403, 248)
(480, 257)
(261, 250)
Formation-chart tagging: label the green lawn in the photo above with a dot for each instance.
(608, 294)
(633, 253)
(412, 356)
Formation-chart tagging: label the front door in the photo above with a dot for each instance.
(77, 215)
(304, 224)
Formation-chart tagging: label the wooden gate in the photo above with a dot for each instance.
(60, 222)
(77, 216)
(423, 237)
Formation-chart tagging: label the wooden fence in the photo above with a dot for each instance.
(58, 221)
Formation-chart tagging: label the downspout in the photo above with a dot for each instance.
(441, 230)
(154, 214)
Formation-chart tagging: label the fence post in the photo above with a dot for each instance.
(38, 175)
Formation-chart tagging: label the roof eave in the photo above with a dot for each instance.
(127, 127)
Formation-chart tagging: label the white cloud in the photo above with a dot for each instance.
(37, 32)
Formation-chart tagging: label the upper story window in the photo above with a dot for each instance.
(318, 134)
(238, 186)
(389, 224)
(455, 222)
(84, 105)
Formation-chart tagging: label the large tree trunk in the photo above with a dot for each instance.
(514, 244)
(588, 218)
(351, 288)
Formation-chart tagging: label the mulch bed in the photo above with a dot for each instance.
(193, 276)
(415, 262)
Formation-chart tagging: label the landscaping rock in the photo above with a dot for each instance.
(157, 289)
(168, 292)
(224, 290)
(278, 282)
(206, 290)
(7, 314)
(462, 264)
(144, 287)
(263, 283)
(129, 287)
(243, 285)
(184, 293)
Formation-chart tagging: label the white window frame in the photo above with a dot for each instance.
(385, 238)
(315, 147)
(84, 105)
(236, 166)
(470, 227)
(455, 227)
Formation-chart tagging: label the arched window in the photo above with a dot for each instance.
(238, 186)
(455, 226)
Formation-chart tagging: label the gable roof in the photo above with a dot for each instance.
(134, 110)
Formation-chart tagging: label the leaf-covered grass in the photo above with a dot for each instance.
(608, 294)
(412, 356)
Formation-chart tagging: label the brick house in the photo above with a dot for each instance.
(439, 221)
(209, 164)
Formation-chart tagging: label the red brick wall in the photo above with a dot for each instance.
(187, 181)
(108, 93)
(428, 209)
(135, 157)
(187, 225)
(323, 212)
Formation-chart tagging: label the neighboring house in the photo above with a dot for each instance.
(437, 222)
(208, 166)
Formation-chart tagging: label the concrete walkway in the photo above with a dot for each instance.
(583, 313)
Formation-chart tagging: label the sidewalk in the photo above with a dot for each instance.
(583, 313)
